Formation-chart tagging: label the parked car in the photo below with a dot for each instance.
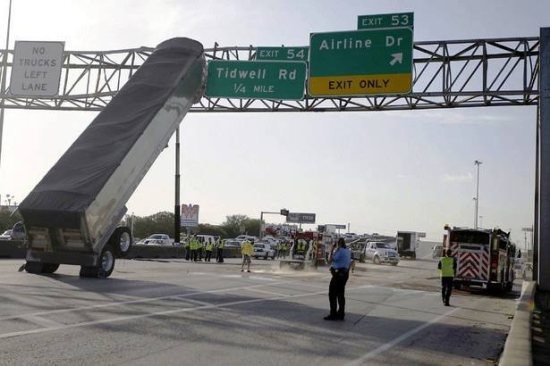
(158, 239)
(231, 243)
(6, 235)
(246, 237)
(263, 250)
(380, 252)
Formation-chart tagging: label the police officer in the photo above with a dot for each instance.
(340, 261)
(447, 267)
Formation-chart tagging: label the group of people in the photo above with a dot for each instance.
(340, 259)
(196, 249)
(341, 263)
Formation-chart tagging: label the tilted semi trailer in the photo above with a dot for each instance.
(72, 216)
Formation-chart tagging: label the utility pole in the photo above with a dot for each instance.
(477, 163)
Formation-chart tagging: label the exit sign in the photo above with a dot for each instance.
(282, 53)
(362, 62)
(279, 80)
(385, 21)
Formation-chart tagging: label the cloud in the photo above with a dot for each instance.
(458, 178)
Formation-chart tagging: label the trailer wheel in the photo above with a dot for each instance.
(49, 267)
(34, 267)
(106, 262)
(121, 241)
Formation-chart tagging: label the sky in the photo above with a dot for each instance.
(376, 171)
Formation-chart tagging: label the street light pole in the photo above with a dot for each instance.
(478, 163)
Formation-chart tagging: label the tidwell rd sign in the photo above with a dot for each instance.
(282, 80)
(362, 62)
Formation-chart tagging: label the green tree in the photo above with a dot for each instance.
(161, 222)
(236, 225)
(208, 229)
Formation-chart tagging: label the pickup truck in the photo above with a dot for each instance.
(380, 252)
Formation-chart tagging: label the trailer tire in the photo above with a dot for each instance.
(49, 267)
(121, 241)
(106, 262)
(34, 267)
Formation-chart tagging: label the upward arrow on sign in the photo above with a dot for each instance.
(396, 58)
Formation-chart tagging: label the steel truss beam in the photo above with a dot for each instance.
(447, 74)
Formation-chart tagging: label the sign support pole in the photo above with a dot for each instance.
(177, 208)
(4, 77)
(542, 210)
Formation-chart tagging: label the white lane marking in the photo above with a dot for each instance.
(43, 322)
(138, 301)
(266, 292)
(361, 360)
(161, 313)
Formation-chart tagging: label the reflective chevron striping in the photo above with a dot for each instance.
(473, 265)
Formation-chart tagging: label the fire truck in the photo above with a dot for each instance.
(485, 257)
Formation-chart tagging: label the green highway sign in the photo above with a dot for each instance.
(282, 53)
(362, 62)
(256, 79)
(385, 21)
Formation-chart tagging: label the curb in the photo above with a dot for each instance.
(517, 349)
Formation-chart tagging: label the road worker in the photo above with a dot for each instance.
(447, 268)
(247, 249)
(208, 250)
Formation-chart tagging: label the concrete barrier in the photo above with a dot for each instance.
(518, 349)
(12, 249)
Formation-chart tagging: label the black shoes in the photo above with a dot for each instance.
(334, 317)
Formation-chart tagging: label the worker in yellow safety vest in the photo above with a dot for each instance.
(447, 268)
(208, 250)
(247, 249)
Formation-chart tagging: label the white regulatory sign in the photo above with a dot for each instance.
(36, 69)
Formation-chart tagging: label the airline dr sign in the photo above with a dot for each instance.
(36, 69)
(363, 62)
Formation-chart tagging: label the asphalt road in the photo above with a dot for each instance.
(171, 312)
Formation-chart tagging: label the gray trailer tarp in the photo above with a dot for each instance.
(101, 155)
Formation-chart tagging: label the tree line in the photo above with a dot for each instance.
(163, 223)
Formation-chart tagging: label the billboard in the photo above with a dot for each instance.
(189, 215)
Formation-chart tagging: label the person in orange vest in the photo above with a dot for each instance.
(447, 268)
